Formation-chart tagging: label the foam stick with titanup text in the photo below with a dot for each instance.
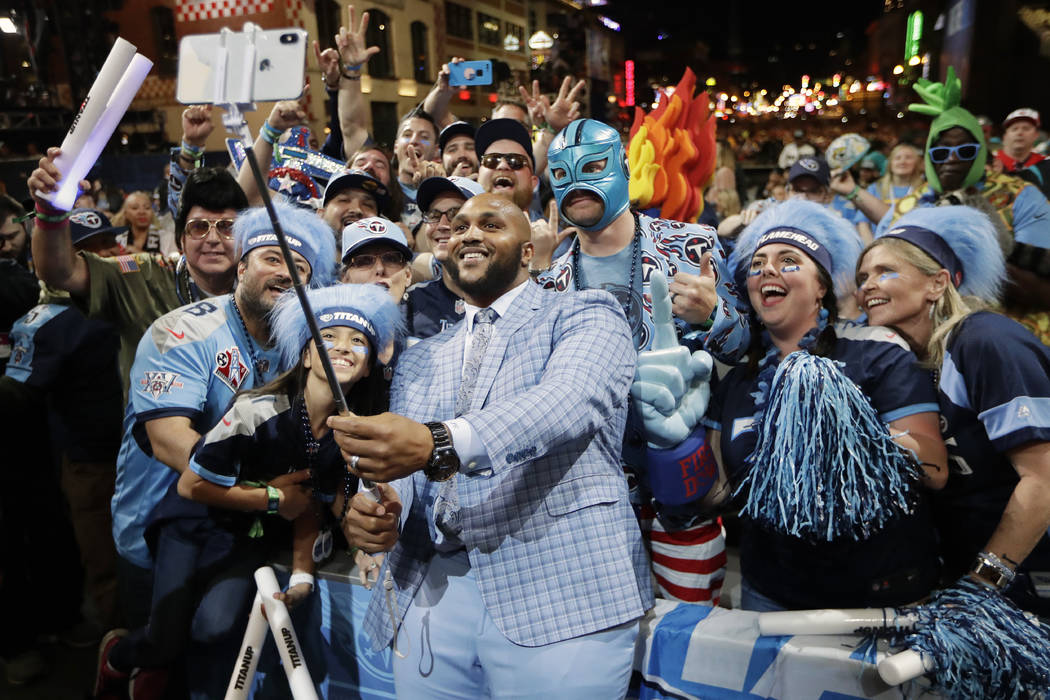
(116, 85)
(834, 621)
(284, 636)
(248, 659)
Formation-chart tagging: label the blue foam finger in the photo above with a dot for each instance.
(654, 395)
(665, 376)
(663, 320)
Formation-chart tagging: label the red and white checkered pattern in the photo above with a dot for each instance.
(193, 10)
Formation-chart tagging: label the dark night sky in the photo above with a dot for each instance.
(746, 34)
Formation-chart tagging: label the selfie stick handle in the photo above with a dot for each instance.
(234, 122)
(108, 99)
(247, 661)
(284, 636)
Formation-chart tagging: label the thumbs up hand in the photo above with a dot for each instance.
(694, 297)
(670, 385)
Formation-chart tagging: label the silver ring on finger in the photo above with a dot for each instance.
(354, 459)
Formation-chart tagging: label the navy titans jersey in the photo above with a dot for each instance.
(431, 307)
(57, 350)
(895, 566)
(994, 396)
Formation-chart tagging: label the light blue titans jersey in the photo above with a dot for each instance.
(190, 362)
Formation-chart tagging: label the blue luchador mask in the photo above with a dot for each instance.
(579, 145)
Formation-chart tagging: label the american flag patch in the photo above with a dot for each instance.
(127, 263)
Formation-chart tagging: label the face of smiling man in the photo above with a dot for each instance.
(501, 178)
(489, 250)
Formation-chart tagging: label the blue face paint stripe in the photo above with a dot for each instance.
(889, 276)
(791, 268)
(754, 273)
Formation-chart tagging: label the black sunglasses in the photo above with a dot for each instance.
(516, 161)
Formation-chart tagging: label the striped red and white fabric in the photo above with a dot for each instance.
(689, 565)
(193, 10)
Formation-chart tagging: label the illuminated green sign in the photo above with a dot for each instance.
(911, 41)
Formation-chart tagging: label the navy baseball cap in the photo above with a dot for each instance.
(374, 229)
(497, 129)
(85, 223)
(431, 188)
(455, 129)
(357, 180)
(814, 167)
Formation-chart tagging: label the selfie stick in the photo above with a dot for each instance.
(115, 87)
(234, 122)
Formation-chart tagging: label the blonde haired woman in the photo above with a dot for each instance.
(932, 276)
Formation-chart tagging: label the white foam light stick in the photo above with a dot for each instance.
(904, 666)
(284, 636)
(845, 621)
(116, 85)
(248, 659)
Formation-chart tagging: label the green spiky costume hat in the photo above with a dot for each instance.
(942, 103)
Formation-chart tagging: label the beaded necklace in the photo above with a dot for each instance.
(260, 366)
(636, 242)
(313, 446)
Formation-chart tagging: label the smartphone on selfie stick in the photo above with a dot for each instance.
(232, 70)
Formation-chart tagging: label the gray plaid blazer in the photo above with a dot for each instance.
(551, 536)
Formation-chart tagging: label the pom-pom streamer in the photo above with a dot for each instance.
(824, 466)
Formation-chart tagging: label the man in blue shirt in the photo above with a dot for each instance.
(190, 363)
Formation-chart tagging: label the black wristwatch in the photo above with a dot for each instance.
(444, 462)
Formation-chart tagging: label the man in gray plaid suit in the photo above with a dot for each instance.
(519, 566)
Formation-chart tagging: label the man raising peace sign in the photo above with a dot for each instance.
(622, 252)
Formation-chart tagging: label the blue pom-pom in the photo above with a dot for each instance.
(824, 466)
(982, 645)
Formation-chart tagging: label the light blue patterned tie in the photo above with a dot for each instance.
(483, 321)
(446, 505)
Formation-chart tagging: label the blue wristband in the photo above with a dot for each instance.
(683, 473)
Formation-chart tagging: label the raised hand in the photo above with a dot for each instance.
(693, 297)
(286, 114)
(566, 106)
(842, 181)
(44, 180)
(422, 169)
(534, 102)
(328, 62)
(670, 385)
(197, 125)
(351, 41)
(546, 237)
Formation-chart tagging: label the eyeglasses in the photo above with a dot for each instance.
(367, 261)
(964, 151)
(516, 161)
(434, 216)
(198, 229)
